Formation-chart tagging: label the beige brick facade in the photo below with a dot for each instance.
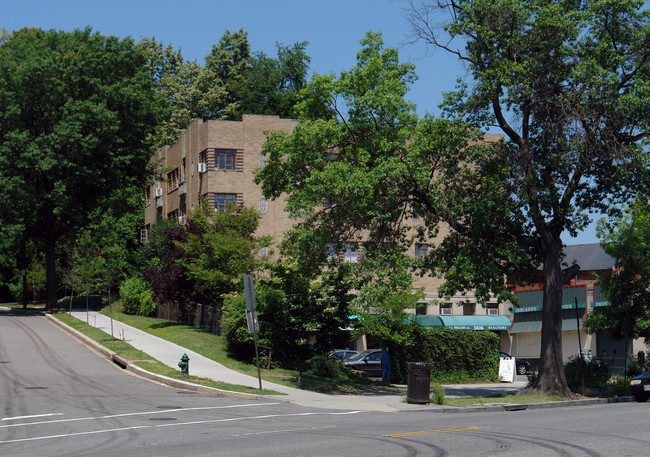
(238, 144)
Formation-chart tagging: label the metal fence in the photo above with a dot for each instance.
(207, 317)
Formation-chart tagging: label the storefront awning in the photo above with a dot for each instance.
(467, 322)
(568, 325)
(526, 327)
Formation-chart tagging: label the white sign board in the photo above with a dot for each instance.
(507, 369)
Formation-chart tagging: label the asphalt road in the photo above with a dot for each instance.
(60, 399)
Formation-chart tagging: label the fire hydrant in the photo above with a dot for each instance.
(184, 364)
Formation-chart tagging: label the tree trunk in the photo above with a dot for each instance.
(50, 257)
(551, 377)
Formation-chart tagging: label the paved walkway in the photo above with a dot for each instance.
(170, 354)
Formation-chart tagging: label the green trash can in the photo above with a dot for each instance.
(419, 383)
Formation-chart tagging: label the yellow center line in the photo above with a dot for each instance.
(425, 432)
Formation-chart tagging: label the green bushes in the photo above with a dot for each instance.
(136, 297)
(596, 373)
(325, 366)
(455, 355)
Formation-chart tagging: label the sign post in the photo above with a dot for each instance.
(251, 318)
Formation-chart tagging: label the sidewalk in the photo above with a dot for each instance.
(170, 354)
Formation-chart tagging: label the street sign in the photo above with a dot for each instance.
(251, 314)
(251, 318)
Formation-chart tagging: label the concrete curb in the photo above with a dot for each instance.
(529, 406)
(128, 366)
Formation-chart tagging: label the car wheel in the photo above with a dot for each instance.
(522, 369)
(641, 399)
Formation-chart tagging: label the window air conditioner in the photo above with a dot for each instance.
(493, 311)
(158, 191)
(445, 311)
(202, 167)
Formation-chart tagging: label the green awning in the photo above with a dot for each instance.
(467, 322)
(569, 325)
(526, 327)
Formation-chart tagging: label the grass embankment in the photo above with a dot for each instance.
(214, 347)
(145, 361)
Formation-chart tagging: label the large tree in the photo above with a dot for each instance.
(233, 81)
(365, 178)
(77, 110)
(566, 81)
(627, 239)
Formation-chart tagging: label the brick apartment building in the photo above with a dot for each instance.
(218, 159)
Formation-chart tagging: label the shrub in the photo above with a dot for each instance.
(596, 373)
(438, 394)
(325, 366)
(137, 297)
(455, 355)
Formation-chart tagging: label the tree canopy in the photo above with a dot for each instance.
(78, 109)
(364, 175)
(627, 239)
(233, 81)
(566, 81)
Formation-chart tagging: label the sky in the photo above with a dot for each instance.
(333, 30)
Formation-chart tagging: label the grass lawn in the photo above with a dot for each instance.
(468, 402)
(214, 347)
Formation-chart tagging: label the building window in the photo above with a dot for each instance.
(173, 215)
(332, 255)
(263, 206)
(144, 235)
(262, 160)
(421, 251)
(469, 309)
(224, 159)
(172, 180)
(147, 196)
(492, 310)
(351, 255)
(421, 309)
(222, 201)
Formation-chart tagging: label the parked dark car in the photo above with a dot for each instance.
(368, 362)
(640, 387)
(523, 366)
(343, 354)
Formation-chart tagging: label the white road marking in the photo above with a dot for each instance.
(211, 421)
(284, 431)
(144, 413)
(29, 417)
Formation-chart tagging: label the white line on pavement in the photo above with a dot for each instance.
(112, 416)
(211, 421)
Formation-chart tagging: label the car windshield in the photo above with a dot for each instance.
(359, 356)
